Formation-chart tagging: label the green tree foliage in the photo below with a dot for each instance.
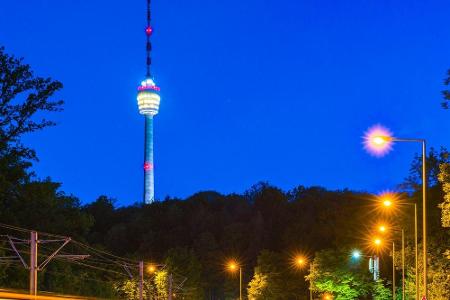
(380, 291)
(275, 278)
(257, 287)
(444, 178)
(23, 199)
(22, 97)
(446, 93)
(129, 289)
(25, 101)
(333, 271)
(161, 280)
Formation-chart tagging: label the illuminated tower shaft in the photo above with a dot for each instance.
(149, 179)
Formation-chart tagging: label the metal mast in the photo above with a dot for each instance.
(148, 33)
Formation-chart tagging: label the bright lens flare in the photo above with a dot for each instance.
(388, 199)
(378, 140)
(300, 261)
(232, 266)
(377, 242)
(151, 269)
(356, 254)
(382, 228)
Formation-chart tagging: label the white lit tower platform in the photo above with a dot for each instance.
(148, 102)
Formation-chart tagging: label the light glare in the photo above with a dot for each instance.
(232, 266)
(151, 269)
(378, 140)
(356, 254)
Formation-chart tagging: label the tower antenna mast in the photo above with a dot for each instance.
(148, 33)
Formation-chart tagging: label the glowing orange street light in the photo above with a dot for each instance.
(387, 203)
(233, 266)
(377, 242)
(327, 297)
(382, 228)
(151, 269)
(300, 261)
(387, 199)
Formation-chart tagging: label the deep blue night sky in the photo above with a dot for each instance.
(252, 90)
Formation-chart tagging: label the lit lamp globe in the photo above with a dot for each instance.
(148, 97)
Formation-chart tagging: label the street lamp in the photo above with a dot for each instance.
(233, 266)
(300, 262)
(356, 254)
(373, 262)
(393, 201)
(151, 269)
(327, 297)
(377, 242)
(378, 140)
(383, 229)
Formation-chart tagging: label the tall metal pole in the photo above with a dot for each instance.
(33, 263)
(416, 251)
(403, 264)
(240, 283)
(424, 218)
(170, 287)
(393, 270)
(310, 285)
(141, 280)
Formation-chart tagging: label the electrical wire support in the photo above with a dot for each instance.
(34, 251)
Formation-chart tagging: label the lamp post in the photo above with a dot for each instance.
(383, 229)
(389, 202)
(393, 270)
(300, 262)
(416, 250)
(379, 141)
(232, 267)
(378, 243)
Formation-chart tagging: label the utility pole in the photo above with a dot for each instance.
(141, 280)
(33, 262)
(170, 286)
(34, 266)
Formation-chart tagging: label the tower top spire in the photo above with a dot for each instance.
(148, 33)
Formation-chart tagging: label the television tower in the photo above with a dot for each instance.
(148, 102)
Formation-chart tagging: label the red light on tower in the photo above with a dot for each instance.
(148, 30)
(148, 166)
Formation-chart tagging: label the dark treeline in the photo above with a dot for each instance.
(218, 227)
